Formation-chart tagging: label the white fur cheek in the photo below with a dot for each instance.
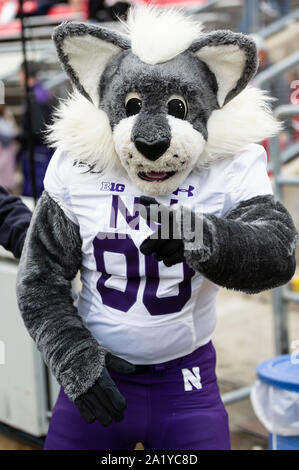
(122, 139)
(186, 142)
(83, 132)
(245, 119)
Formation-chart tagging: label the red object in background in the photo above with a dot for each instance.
(66, 11)
(265, 144)
(294, 99)
(29, 7)
(181, 3)
(296, 128)
(10, 29)
(60, 10)
(63, 11)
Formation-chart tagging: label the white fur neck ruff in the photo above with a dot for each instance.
(84, 133)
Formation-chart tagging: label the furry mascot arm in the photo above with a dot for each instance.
(251, 249)
(50, 260)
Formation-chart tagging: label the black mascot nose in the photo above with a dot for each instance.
(152, 150)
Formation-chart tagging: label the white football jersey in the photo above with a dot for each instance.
(135, 306)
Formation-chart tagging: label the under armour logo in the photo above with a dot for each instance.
(191, 379)
(189, 191)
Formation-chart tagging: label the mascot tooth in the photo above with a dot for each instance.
(158, 194)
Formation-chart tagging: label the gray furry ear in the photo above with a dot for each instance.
(231, 57)
(84, 51)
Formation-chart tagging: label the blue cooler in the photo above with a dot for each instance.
(281, 374)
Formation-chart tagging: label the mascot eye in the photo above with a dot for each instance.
(177, 108)
(133, 104)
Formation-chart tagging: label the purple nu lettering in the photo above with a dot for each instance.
(132, 220)
(119, 206)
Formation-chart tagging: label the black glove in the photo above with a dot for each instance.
(170, 250)
(104, 401)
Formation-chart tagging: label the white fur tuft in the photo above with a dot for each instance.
(159, 34)
(83, 132)
(244, 120)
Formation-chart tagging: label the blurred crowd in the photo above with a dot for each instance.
(19, 142)
(15, 141)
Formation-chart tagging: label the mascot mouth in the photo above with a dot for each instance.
(155, 175)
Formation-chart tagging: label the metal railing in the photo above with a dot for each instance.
(203, 8)
(267, 31)
(262, 79)
(279, 25)
(277, 157)
(282, 295)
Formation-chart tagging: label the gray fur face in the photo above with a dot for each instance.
(157, 146)
(155, 86)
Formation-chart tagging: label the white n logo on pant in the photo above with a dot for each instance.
(191, 378)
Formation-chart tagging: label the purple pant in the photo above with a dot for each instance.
(174, 406)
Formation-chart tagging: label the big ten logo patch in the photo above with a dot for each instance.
(108, 186)
(2, 353)
(192, 379)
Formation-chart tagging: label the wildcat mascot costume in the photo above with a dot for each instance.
(161, 127)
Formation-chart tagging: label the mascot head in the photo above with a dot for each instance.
(151, 97)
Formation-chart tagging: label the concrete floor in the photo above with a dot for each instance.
(243, 338)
